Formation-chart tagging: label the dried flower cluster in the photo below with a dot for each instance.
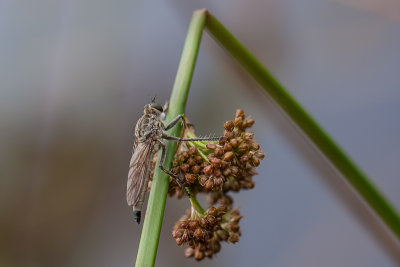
(204, 232)
(214, 168)
(227, 165)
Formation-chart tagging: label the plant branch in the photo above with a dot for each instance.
(155, 212)
(310, 127)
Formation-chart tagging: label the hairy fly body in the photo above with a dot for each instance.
(150, 131)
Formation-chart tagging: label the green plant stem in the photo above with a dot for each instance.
(154, 215)
(194, 202)
(310, 127)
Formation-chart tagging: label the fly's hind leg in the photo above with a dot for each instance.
(161, 166)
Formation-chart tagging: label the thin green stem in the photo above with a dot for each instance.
(300, 116)
(196, 205)
(152, 224)
(194, 202)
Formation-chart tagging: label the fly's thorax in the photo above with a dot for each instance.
(149, 126)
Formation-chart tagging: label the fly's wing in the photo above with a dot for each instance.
(138, 171)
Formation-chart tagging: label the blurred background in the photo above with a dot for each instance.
(76, 74)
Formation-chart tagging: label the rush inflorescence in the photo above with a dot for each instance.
(214, 168)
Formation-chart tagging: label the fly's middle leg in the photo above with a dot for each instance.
(179, 139)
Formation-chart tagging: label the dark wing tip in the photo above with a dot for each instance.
(137, 214)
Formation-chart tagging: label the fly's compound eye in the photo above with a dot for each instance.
(157, 107)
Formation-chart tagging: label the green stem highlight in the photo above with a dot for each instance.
(310, 127)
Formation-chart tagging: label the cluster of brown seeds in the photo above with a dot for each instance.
(227, 165)
(214, 168)
(203, 233)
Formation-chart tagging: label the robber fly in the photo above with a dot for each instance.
(150, 133)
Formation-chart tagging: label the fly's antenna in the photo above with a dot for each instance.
(153, 100)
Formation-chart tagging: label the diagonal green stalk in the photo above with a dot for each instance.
(155, 212)
(154, 215)
(310, 127)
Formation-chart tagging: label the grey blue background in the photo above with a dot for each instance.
(76, 74)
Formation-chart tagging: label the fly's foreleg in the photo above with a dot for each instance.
(175, 121)
(161, 166)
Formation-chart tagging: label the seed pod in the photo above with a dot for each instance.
(248, 122)
(212, 211)
(184, 167)
(179, 241)
(198, 233)
(209, 184)
(208, 253)
(191, 161)
(184, 224)
(208, 169)
(189, 252)
(202, 180)
(235, 186)
(222, 141)
(243, 147)
(233, 238)
(238, 122)
(255, 161)
(198, 255)
(229, 134)
(177, 233)
(185, 236)
(190, 178)
(198, 159)
(224, 164)
(236, 218)
(211, 219)
(193, 150)
(192, 224)
(181, 158)
(259, 154)
(239, 113)
(215, 162)
(228, 125)
(211, 146)
(218, 181)
(203, 222)
(216, 247)
(234, 170)
(234, 227)
(234, 142)
(226, 172)
(248, 166)
(217, 172)
(195, 169)
(201, 247)
(244, 158)
(228, 156)
(204, 164)
(223, 235)
(227, 147)
(248, 135)
(218, 152)
(185, 154)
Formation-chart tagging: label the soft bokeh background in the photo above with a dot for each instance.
(75, 75)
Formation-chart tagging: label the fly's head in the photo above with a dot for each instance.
(153, 108)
